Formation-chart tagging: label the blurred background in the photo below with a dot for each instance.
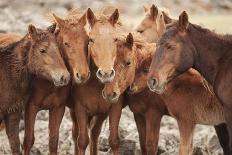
(15, 15)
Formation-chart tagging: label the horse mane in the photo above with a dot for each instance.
(142, 49)
(223, 37)
(15, 68)
(72, 17)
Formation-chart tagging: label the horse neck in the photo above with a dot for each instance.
(209, 50)
(14, 60)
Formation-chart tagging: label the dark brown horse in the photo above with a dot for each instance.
(35, 55)
(72, 41)
(185, 45)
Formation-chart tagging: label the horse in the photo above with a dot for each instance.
(72, 40)
(153, 24)
(185, 45)
(103, 43)
(89, 105)
(148, 107)
(34, 55)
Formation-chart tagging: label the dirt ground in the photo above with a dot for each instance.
(15, 15)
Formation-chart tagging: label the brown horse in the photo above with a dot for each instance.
(103, 43)
(186, 45)
(72, 41)
(148, 24)
(34, 55)
(89, 103)
(148, 108)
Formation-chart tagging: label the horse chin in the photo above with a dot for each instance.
(80, 82)
(111, 100)
(106, 80)
(131, 90)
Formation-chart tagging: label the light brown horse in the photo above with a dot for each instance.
(188, 99)
(72, 41)
(186, 45)
(153, 24)
(88, 97)
(34, 55)
(103, 43)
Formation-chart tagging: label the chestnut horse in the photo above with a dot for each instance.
(148, 108)
(34, 55)
(88, 97)
(72, 41)
(185, 45)
(103, 43)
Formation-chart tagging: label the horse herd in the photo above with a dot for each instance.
(97, 70)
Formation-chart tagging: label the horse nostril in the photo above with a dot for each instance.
(62, 79)
(153, 82)
(78, 76)
(99, 73)
(89, 73)
(113, 95)
(112, 73)
(103, 94)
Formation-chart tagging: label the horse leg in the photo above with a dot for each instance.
(12, 130)
(95, 132)
(114, 118)
(82, 119)
(30, 115)
(55, 118)
(223, 137)
(228, 118)
(141, 126)
(153, 119)
(75, 131)
(186, 128)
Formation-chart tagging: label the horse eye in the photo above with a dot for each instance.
(66, 44)
(128, 63)
(146, 70)
(116, 39)
(140, 31)
(169, 47)
(42, 51)
(91, 40)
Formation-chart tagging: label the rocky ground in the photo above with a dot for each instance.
(15, 15)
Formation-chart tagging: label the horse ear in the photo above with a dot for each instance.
(153, 12)
(114, 17)
(167, 19)
(183, 21)
(32, 31)
(145, 9)
(130, 40)
(59, 20)
(82, 20)
(91, 17)
(52, 28)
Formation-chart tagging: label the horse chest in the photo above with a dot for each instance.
(46, 97)
(91, 98)
(138, 106)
